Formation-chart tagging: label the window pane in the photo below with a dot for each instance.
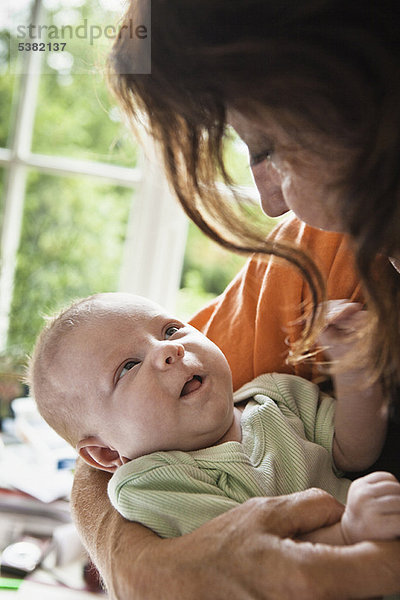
(12, 13)
(2, 173)
(7, 83)
(207, 270)
(236, 158)
(76, 118)
(71, 246)
(76, 115)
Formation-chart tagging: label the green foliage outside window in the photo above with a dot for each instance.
(71, 246)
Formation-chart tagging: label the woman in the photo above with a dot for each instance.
(313, 88)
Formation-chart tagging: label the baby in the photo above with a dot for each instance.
(148, 398)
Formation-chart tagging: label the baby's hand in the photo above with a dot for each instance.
(343, 320)
(373, 508)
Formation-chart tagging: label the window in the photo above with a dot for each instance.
(76, 192)
(82, 210)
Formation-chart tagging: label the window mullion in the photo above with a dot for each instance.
(11, 232)
(156, 238)
(26, 107)
(14, 190)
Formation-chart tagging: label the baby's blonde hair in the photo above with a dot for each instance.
(57, 405)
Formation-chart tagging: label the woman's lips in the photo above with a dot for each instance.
(192, 385)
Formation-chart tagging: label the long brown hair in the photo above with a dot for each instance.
(329, 70)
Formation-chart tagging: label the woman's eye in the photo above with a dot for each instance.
(258, 158)
(170, 331)
(127, 367)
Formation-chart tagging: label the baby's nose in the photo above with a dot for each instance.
(168, 354)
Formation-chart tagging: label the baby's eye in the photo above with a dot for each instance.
(127, 367)
(169, 332)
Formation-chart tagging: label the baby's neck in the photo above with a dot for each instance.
(234, 433)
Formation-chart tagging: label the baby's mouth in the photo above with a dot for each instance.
(192, 385)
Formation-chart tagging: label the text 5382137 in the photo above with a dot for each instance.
(41, 46)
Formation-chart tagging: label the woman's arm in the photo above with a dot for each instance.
(240, 555)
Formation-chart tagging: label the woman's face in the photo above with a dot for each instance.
(289, 177)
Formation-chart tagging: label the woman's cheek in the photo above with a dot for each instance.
(311, 203)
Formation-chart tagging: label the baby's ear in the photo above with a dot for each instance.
(99, 455)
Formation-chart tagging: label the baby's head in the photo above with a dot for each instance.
(118, 377)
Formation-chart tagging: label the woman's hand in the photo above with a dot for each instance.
(245, 554)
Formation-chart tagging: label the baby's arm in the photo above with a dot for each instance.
(372, 513)
(361, 408)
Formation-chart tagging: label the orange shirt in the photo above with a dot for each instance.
(253, 320)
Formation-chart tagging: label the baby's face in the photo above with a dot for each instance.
(152, 382)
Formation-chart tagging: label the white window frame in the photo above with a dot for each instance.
(157, 229)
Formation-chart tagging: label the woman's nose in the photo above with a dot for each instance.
(268, 182)
(167, 354)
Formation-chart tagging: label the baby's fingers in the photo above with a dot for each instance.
(373, 486)
(389, 505)
(344, 320)
(386, 527)
(341, 310)
(380, 483)
(342, 331)
(385, 488)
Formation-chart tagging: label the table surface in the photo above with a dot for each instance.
(21, 514)
(31, 590)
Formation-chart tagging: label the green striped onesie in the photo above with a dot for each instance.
(287, 433)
